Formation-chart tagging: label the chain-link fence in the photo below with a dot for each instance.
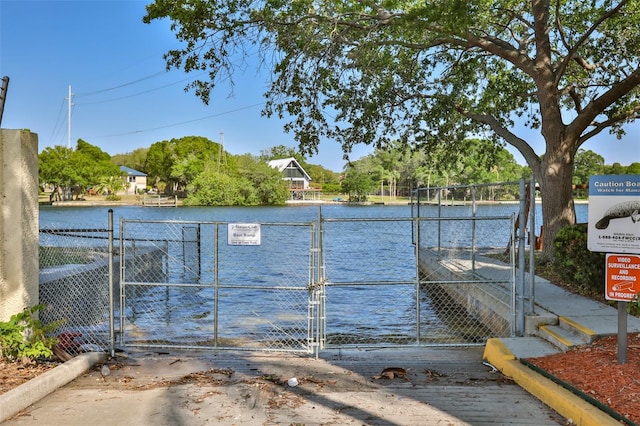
(461, 277)
(74, 286)
(463, 230)
(379, 293)
(369, 266)
(427, 279)
(186, 284)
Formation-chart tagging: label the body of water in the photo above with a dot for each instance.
(96, 217)
(358, 256)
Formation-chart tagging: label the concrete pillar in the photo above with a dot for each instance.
(19, 267)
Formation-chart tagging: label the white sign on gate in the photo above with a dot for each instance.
(243, 234)
(614, 214)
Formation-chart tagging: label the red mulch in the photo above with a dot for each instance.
(594, 370)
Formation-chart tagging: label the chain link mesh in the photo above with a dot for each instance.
(363, 282)
(184, 285)
(370, 271)
(425, 281)
(74, 286)
(460, 235)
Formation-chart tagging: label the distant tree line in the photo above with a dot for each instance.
(69, 173)
(200, 171)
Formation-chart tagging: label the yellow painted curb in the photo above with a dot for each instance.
(570, 406)
(559, 338)
(584, 330)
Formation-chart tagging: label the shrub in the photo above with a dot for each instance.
(574, 263)
(25, 336)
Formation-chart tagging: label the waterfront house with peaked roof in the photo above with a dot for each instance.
(135, 181)
(297, 178)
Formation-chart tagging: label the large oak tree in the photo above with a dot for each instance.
(429, 72)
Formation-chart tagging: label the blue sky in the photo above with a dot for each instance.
(124, 99)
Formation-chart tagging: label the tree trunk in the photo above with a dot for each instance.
(558, 209)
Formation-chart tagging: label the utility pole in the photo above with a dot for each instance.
(70, 104)
(3, 95)
(221, 149)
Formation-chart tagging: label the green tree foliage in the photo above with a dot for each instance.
(55, 166)
(361, 178)
(111, 185)
(574, 263)
(211, 188)
(26, 336)
(633, 169)
(248, 182)
(269, 186)
(93, 164)
(135, 159)
(430, 72)
(321, 176)
(587, 163)
(619, 169)
(173, 164)
(398, 169)
(158, 164)
(281, 151)
(72, 171)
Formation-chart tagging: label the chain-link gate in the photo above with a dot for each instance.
(369, 271)
(473, 250)
(191, 285)
(428, 279)
(381, 288)
(75, 266)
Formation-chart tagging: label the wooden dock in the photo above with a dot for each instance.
(159, 201)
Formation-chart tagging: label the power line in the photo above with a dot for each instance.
(140, 93)
(58, 126)
(178, 124)
(121, 85)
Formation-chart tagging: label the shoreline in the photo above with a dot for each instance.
(294, 203)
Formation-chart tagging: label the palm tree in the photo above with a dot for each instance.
(111, 185)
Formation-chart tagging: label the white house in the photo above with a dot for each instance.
(135, 181)
(292, 172)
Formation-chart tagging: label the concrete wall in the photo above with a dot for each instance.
(19, 222)
(487, 302)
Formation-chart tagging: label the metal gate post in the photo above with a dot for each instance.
(512, 264)
(313, 302)
(521, 260)
(416, 225)
(473, 229)
(112, 333)
(532, 247)
(122, 283)
(439, 218)
(319, 290)
(216, 285)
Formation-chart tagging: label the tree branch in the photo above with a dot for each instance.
(520, 144)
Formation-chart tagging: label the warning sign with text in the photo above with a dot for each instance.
(622, 277)
(614, 214)
(243, 234)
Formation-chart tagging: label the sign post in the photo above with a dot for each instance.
(622, 284)
(614, 227)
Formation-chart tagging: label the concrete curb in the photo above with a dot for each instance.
(570, 406)
(34, 390)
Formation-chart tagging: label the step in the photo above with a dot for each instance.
(563, 337)
(571, 325)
